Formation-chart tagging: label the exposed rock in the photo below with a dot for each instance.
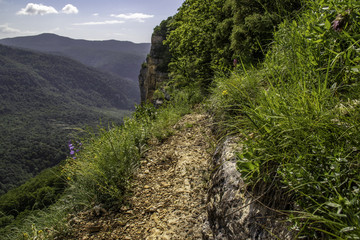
(94, 228)
(232, 212)
(151, 73)
(167, 200)
(155, 71)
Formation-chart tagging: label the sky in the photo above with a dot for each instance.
(125, 20)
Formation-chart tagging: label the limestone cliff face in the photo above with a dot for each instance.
(233, 212)
(154, 71)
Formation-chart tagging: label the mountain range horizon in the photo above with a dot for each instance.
(52, 86)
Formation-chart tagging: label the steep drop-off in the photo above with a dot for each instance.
(154, 71)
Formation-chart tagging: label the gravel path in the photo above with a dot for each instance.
(169, 189)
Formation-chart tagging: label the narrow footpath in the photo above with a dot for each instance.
(169, 189)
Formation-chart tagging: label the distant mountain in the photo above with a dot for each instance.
(44, 101)
(121, 58)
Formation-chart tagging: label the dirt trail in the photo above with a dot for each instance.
(169, 189)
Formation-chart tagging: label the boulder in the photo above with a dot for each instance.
(233, 212)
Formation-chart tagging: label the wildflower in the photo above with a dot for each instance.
(72, 148)
(235, 62)
(225, 92)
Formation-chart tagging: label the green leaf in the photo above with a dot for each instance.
(318, 41)
(327, 24)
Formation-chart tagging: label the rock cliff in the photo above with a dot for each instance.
(154, 71)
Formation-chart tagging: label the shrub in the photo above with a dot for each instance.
(299, 114)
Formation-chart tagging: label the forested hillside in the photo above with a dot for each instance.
(282, 78)
(120, 58)
(44, 101)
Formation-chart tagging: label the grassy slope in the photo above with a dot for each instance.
(299, 113)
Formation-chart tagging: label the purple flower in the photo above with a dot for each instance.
(73, 149)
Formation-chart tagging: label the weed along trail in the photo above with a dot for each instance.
(168, 190)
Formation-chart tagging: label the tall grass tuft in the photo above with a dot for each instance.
(103, 167)
(300, 114)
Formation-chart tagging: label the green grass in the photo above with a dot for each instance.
(300, 114)
(103, 168)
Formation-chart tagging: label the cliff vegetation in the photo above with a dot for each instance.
(282, 76)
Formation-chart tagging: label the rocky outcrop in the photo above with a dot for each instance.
(233, 213)
(154, 71)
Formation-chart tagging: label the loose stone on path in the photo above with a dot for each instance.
(170, 192)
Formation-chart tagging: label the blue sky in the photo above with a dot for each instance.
(131, 20)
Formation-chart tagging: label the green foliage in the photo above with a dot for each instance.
(44, 101)
(163, 28)
(48, 223)
(38, 193)
(254, 23)
(104, 165)
(299, 115)
(190, 42)
(298, 111)
(100, 173)
(207, 35)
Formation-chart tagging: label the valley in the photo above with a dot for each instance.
(48, 99)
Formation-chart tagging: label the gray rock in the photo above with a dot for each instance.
(233, 213)
(150, 76)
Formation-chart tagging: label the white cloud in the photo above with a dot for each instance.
(37, 9)
(133, 16)
(95, 14)
(70, 9)
(99, 23)
(6, 29)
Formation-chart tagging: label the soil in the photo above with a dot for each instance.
(168, 193)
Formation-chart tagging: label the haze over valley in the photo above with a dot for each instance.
(53, 88)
